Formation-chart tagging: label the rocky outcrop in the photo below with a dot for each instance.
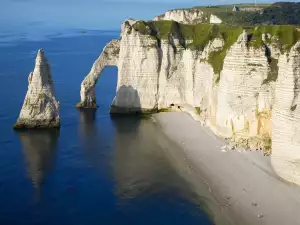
(214, 19)
(185, 16)
(40, 108)
(189, 16)
(245, 88)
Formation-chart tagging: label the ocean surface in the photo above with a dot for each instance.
(96, 169)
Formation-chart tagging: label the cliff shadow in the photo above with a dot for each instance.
(134, 165)
(140, 165)
(39, 149)
(127, 101)
(125, 115)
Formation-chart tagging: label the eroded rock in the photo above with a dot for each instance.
(186, 16)
(108, 57)
(40, 108)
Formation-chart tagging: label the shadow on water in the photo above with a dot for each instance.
(146, 165)
(138, 166)
(141, 166)
(137, 163)
(39, 148)
(142, 172)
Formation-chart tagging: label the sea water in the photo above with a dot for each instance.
(96, 169)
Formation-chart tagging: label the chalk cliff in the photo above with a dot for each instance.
(40, 108)
(286, 117)
(243, 84)
(189, 16)
(186, 16)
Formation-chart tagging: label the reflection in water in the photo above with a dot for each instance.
(39, 147)
(94, 143)
(140, 164)
(87, 123)
(147, 164)
(143, 169)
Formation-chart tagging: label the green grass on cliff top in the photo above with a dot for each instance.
(284, 36)
(199, 34)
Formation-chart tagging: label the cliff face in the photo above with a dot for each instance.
(286, 117)
(186, 16)
(40, 108)
(189, 16)
(244, 85)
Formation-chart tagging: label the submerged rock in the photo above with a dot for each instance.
(40, 108)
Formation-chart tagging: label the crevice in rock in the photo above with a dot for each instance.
(273, 67)
(296, 90)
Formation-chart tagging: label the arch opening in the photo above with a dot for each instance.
(108, 57)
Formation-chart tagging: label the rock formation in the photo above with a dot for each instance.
(186, 16)
(233, 79)
(40, 108)
(215, 19)
(286, 117)
(109, 57)
(189, 16)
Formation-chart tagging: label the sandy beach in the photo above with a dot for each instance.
(234, 186)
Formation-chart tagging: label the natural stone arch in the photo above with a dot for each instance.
(108, 57)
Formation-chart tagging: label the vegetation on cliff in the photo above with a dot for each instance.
(230, 36)
(284, 36)
(198, 36)
(280, 13)
(195, 37)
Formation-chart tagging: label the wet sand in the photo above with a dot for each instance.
(234, 187)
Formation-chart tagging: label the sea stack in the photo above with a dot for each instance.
(40, 108)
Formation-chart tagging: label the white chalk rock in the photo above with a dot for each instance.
(236, 102)
(215, 20)
(189, 16)
(185, 16)
(40, 108)
(286, 118)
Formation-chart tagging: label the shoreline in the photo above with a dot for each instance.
(236, 186)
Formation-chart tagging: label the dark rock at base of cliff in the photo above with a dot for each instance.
(36, 124)
(87, 106)
(124, 110)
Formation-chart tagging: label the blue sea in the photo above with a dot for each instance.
(96, 169)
